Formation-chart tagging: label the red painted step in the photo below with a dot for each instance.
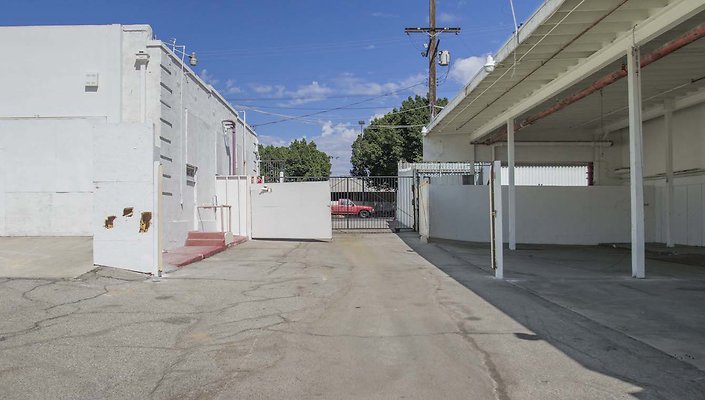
(205, 239)
(206, 235)
(199, 245)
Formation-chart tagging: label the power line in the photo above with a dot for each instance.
(318, 98)
(339, 107)
(319, 121)
(312, 98)
(315, 46)
(307, 108)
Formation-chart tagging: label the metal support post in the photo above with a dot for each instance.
(636, 165)
(496, 238)
(668, 121)
(512, 187)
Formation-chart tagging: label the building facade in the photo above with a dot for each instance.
(107, 132)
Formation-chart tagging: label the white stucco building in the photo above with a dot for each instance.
(618, 86)
(104, 132)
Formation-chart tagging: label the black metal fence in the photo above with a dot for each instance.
(369, 203)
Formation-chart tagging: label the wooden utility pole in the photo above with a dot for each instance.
(431, 51)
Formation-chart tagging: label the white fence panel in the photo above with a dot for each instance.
(233, 191)
(295, 210)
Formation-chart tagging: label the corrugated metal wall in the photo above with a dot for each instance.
(548, 175)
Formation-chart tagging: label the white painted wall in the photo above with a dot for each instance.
(45, 72)
(689, 154)
(190, 130)
(689, 189)
(123, 173)
(46, 179)
(50, 119)
(545, 215)
(234, 191)
(448, 148)
(296, 210)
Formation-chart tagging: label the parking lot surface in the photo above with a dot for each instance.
(361, 317)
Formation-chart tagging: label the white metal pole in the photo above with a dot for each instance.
(636, 163)
(143, 92)
(498, 237)
(244, 144)
(215, 153)
(512, 187)
(668, 121)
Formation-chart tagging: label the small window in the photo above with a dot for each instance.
(191, 174)
(468, 179)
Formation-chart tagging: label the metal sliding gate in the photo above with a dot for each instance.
(370, 203)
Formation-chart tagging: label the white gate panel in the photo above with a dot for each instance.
(232, 191)
(296, 210)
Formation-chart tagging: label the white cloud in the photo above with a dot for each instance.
(344, 84)
(231, 88)
(208, 77)
(353, 85)
(308, 93)
(464, 69)
(378, 115)
(446, 18)
(261, 89)
(266, 140)
(336, 140)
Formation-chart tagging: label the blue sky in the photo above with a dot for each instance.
(282, 58)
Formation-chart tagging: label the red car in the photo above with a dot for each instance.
(347, 207)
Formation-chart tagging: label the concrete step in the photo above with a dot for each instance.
(199, 249)
(205, 242)
(206, 235)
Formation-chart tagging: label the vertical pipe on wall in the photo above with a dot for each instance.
(141, 60)
(636, 154)
(215, 152)
(143, 93)
(668, 122)
(512, 187)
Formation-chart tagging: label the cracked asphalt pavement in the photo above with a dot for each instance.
(361, 317)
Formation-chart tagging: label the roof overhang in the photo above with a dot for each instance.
(564, 44)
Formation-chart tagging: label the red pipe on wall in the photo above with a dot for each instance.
(689, 37)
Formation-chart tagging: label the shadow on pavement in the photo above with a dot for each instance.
(571, 311)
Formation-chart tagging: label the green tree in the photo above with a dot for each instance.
(300, 158)
(378, 150)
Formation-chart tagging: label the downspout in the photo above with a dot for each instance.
(668, 48)
(142, 59)
(183, 131)
(233, 164)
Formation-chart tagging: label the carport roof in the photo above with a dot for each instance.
(562, 44)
